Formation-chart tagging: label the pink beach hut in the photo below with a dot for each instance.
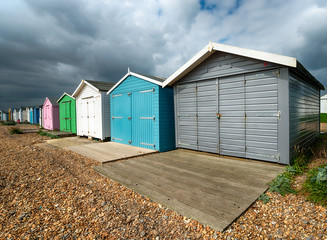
(51, 114)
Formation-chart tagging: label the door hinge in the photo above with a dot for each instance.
(129, 94)
(149, 144)
(129, 141)
(278, 157)
(129, 118)
(277, 72)
(277, 115)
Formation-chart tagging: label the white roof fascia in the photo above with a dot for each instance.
(264, 56)
(119, 82)
(190, 65)
(135, 75)
(90, 85)
(63, 96)
(81, 85)
(146, 78)
(324, 96)
(46, 100)
(207, 51)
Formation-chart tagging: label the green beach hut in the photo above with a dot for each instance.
(67, 113)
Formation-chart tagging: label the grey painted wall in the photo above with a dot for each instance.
(242, 107)
(304, 113)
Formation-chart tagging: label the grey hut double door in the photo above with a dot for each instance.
(233, 116)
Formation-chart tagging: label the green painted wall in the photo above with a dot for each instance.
(67, 114)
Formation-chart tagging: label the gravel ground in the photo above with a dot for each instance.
(48, 192)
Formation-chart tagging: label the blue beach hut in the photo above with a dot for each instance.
(142, 112)
(34, 115)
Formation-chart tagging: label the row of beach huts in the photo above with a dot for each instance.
(225, 100)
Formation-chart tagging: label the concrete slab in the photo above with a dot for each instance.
(109, 151)
(69, 142)
(211, 189)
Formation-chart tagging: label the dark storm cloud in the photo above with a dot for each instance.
(48, 46)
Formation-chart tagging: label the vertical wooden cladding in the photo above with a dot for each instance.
(67, 113)
(92, 117)
(304, 113)
(196, 115)
(224, 107)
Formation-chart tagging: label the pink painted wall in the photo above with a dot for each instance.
(50, 116)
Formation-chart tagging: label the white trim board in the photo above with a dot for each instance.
(63, 96)
(212, 47)
(80, 86)
(135, 75)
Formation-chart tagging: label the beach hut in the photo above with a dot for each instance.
(31, 115)
(10, 115)
(93, 109)
(28, 115)
(34, 115)
(142, 112)
(323, 104)
(5, 116)
(244, 103)
(22, 114)
(67, 113)
(16, 115)
(51, 114)
(41, 116)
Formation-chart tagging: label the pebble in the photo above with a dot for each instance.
(78, 203)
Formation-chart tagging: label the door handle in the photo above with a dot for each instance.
(219, 115)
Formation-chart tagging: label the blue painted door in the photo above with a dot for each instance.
(143, 119)
(121, 129)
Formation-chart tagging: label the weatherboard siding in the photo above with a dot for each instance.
(166, 119)
(222, 64)
(106, 114)
(304, 113)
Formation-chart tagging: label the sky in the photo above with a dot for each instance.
(48, 47)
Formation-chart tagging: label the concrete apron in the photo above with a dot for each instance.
(211, 189)
(109, 151)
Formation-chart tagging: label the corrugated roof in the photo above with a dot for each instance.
(102, 86)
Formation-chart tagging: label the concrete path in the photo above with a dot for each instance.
(213, 190)
(109, 151)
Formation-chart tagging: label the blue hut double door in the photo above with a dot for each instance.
(133, 118)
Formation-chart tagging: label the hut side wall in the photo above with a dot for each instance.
(304, 113)
(105, 114)
(55, 118)
(166, 119)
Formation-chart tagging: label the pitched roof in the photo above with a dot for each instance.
(264, 56)
(102, 86)
(156, 80)
(53, 101)
(97, 85)
(64, 94)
